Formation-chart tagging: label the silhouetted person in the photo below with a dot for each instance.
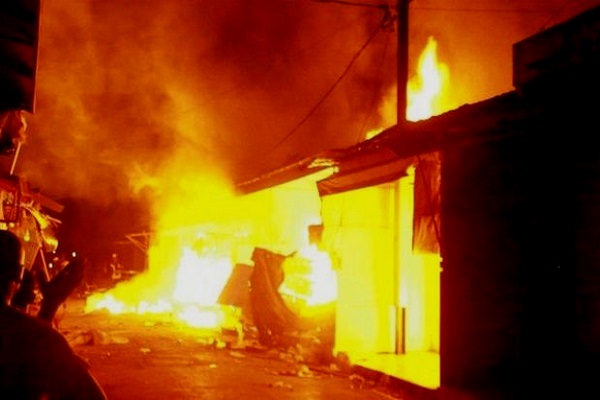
(115, 267)
(36, 361)
(54, 290)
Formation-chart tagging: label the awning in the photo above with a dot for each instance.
(370, 169)
(386, 157)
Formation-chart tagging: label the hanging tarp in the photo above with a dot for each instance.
(19, 32)
(271, 315)
(426, 221)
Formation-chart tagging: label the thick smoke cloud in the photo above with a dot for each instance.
(124, 86)
(128, 89)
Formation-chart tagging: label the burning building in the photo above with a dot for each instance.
(465, 241)
(451, 241)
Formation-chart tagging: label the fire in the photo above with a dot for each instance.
(200, 279)
(188, 291)
(322, 277)
(310, 278)
(185, 286)
(425, 90)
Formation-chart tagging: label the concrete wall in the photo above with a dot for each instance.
(359, 236)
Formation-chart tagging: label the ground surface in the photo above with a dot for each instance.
(141, 357)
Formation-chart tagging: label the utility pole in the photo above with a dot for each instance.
(402, 61)
(402, 78)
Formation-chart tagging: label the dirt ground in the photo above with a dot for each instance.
(151, 357)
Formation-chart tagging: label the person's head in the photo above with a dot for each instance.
(11, 264)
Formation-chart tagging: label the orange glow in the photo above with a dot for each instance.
(322, 277)
(309, 278)
(425, 90)
(189, 266)
(189, 295)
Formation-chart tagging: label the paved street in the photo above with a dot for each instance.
(142, 357)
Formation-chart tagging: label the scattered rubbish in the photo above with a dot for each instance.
(304, 372)
(92, 337)
(357, 381)
(119, 340)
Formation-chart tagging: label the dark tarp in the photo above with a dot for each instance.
(236, 291)
(427, 202)
(271, 316)
(19, 31)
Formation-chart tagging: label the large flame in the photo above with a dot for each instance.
(310, 278)
(425, 90)
(189, 270)
(185, 285)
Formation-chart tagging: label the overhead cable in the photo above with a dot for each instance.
(382, 24)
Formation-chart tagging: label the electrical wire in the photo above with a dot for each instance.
(558, 11)
(375, 97)
(482, 10)
(352, 3)
(382, 24)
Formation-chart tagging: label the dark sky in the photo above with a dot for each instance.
(133, 92)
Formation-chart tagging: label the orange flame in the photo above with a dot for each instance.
(425, 90)
(190, 291)
(309, 279)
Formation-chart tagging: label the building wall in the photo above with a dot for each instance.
(520, 286)
(359, 235)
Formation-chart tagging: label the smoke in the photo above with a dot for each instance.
(126, 88)
(131, 94)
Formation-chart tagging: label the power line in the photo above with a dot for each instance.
(382, 24)
(373, 102)
(558, 11)
(483, 10)
(352, 3)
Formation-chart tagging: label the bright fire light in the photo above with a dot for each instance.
(322, 277)
(199, 280)
(190, 294)
(426, 88)
(309, 278)
(426, 91)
